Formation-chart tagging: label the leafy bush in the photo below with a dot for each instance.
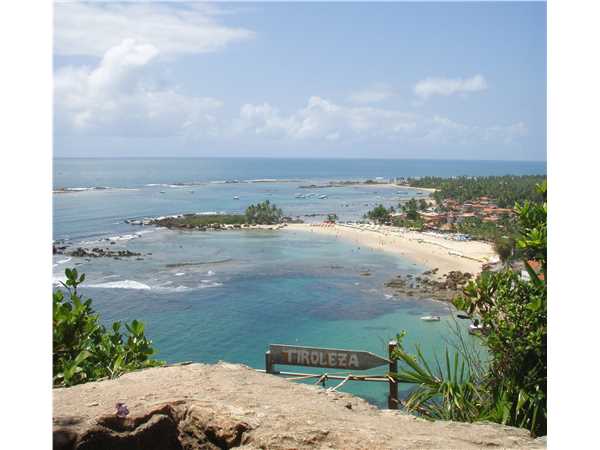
(83, 350)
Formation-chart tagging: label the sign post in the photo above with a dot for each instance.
(332, 358)
(393, 396)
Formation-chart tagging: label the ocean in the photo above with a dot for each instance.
(226, 296)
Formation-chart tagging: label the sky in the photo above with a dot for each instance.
(358, 80)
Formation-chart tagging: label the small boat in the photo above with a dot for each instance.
(463, 316)
(430, 318)
(236, 197)
(322, 197)
(162, 192)
(475, 329)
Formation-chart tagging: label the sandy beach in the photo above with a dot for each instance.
(422, 248)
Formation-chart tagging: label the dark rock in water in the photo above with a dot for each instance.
(427, 287)
(98, 252)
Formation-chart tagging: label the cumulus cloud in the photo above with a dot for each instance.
(323, 119)
(117, 98)
(372, 94)
(444, 130)
(175, 28)
(449, 86)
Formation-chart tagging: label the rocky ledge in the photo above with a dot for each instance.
(226, 406)
(428, 286)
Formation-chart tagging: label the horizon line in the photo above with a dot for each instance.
(301, 157)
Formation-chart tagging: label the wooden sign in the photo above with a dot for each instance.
(324, 357)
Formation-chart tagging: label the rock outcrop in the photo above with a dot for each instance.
(224, 406)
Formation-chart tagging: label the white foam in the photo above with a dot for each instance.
(208, 284)
(210, 273)
(62, 261)
(181, 288)
(125, 237)
(125, 284)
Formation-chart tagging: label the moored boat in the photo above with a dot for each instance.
(430, 318)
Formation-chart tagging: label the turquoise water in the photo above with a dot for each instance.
(228, 295)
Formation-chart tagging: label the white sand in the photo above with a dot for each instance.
(421, 248)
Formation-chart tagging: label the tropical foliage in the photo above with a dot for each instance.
(511, 387)
(506, 190)
(204, 220)
(488, 231)
(451, 389)
(380, 214)
(411, 209)
(263, 213)
(83, 349)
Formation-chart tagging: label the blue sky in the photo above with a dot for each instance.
(386, 80)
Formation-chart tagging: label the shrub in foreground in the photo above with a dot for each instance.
(83, 349)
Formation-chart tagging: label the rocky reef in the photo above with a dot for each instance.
(427, 285)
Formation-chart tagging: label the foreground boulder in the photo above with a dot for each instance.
(224, 406)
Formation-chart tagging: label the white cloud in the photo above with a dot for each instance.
(449, 86)
(117, 98)
(323, 119)
(444, 130)
(373, 94)
(175, 28)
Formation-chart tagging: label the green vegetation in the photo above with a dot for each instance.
(380, 214)
(505, 247)
(452, 390)
(510, 388)
(506, 190)
(205, 220)
(411, 208)
(488, 231)
(83, 349)
(263, 213)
